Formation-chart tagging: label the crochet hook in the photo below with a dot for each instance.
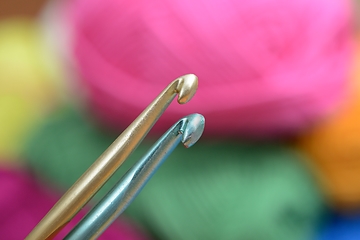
(187, 130)
(104, 167)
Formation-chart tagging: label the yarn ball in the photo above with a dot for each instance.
(24, 202)
(210, 191)
(230, 191)
(265, 67)
(30, 83)
(334, 149)
(342, 228)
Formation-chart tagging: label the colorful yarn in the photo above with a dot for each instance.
(334, 147)
(29, 83)
(64, 146)
(230, 191)
(23, 203)
(264, 67)
(342, 228)
(214, 191)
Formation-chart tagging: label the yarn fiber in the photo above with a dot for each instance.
(29, 83)
(342, 228)
(265, 67)
(333, 147)
(230, 191)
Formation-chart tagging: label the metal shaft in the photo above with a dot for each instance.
(187, 130)
(105, 166)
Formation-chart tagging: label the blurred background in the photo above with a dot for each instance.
(279, 87)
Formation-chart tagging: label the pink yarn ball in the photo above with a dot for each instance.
(265, 67)
(24, 202)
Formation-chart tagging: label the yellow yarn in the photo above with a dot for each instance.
(30, 82)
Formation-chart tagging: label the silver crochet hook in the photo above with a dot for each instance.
(187, 130)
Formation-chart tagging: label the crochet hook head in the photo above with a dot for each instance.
(186, 87)
(187, 130)
(193, 129)
(105, 166)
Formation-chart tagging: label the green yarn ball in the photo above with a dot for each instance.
(230, 191)
(214, 190)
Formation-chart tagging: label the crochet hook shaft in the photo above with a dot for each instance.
(187, 130)
(104, 167)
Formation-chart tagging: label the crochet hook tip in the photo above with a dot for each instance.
(187, 86)
(195, 124)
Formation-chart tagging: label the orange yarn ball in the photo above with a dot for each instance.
(334, 147)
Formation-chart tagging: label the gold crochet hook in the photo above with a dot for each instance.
(104, 167)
